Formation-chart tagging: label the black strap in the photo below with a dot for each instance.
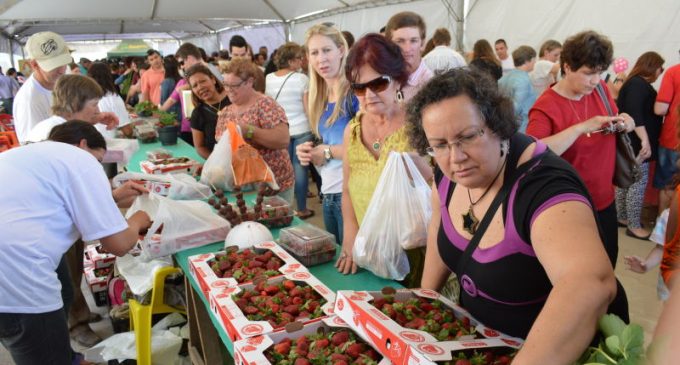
(500, 197)
(284, 82)
(605, 100)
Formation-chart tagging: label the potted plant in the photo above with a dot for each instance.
(168, 128)
(145, 108)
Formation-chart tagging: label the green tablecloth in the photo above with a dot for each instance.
(363, 280)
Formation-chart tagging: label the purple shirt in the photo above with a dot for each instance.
(185, 126)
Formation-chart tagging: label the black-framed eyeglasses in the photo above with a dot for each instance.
(234, 86)
(461, 143)
(377, 85)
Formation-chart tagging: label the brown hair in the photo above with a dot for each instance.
(548, 46)
(522, 55)
(71, 92)
(405, 19)
(287, 53)
(241, 67)
(646, 66)
(441, 37)
(188, 49)
(482, 50)
(201, 69)
(589, 49)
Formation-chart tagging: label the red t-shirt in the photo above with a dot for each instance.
(151, 84)
(669, 93)
(593, 157)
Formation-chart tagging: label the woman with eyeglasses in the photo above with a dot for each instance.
(331, 106)
(511, 219)
(263, 122)
(377, 71)
(209, 97)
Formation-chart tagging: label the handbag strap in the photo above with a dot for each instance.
(500, 197)
(284, 82)
(605, 100)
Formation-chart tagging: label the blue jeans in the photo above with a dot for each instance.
(332, 215)
(301, 172)
(36, 338)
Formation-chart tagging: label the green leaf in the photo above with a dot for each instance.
(632, 341)
(613, 344)
(611, 325)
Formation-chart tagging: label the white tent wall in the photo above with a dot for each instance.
(272, 36)
(369, 20)
(633, 27)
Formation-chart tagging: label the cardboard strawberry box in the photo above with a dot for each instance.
(159, 245)
(170, 165)
(413, 323)
(300, 297)
(201, 266)
(266, 349)
(98, 281)
(99, 259)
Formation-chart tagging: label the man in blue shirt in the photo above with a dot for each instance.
(516, 84)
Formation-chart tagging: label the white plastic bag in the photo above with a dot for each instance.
(186, 224)
(396, 219)
(178, 186)
(217, 169)
(165, 348)
(139, 273)
(120, 150)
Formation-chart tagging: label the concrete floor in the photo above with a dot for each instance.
(641, 288)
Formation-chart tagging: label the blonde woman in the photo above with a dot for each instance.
(331, 107)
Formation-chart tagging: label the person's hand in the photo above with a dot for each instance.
(317, 154)
(109, 119)
(628, 122)
(345, 263)
(636, 264)
(125, 194)
(596, 123)
(140, 221)
(645, 151)
(304, 153)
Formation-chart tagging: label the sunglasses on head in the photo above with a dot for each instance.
(376, 85)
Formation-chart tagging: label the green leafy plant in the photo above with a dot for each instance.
(145, 108)
(621, 344)
(166, 119)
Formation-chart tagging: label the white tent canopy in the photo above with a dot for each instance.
(632, 27)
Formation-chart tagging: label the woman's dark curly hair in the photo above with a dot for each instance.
(587, 48)
(496, 109)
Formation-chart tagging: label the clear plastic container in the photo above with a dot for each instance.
(275, 206)
(277, 222)
(308, 244)
(158, 154)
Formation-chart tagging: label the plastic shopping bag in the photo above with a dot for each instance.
(119, 150)
(234, 162)
(178, 186)
(185, 224)
(396, 219)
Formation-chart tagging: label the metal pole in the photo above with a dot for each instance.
(11, 52)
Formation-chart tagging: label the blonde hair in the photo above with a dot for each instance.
(72, 92)
(318, 89)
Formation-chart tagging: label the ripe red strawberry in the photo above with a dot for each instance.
(295, 292)
(340, 362)
(302, 361)
(339, 338)
(322, 343)
(292, 309)
(379, 303)
(339, 357)
(288, 284)
(415, 323)
(250, 310)
(282, 348)
(355, 350)
(503, 360)
(255, 263)
(372, 354)
(271, 289)
(298, 300)
(463, 362)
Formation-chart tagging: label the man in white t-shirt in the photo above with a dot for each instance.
(504, 55)
(407, 30)
(442, 58)
(54, 193)
(48, 56)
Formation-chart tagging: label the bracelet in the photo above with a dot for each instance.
(250, 132)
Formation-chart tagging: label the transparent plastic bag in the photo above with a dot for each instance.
(178, 186)
(396, 219)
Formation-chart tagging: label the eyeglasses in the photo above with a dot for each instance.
(376, 85)
(235, 86)
(461, 143)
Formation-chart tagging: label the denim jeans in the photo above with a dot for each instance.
(36, 338)
(332, 215)
(301, 172)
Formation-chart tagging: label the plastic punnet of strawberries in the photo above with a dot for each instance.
(280, 303)
(482, 357)
(245, 265)
(338, 347)
(431, 316)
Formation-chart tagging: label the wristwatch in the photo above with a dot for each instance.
(327, 153)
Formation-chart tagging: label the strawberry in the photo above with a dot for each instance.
(339, 357)
(379, 303)
(282, 348)
(292, 309)
(463, 362)
(503, 360)
(271, 289)
(288, 284)
(415, 323)
(322, 343)
(339, 338)
(250, 310)
(355, 350)
(255, 263)
(340, 362)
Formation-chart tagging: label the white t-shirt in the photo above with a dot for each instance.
(112, 103)
(290, 99)
(442, 59)
(42, 130)
(507, 64)
(541, 78)
(32, 104)
(52, 193)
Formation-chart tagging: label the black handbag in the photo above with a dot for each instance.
(627, 168)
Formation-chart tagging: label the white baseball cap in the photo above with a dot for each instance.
(49, 50)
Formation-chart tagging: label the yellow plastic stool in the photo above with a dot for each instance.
(140, 314)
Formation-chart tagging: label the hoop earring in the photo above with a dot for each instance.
(400, 96)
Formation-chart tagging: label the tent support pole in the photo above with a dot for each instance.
(11, 52)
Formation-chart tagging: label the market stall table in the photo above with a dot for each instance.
(204, 326)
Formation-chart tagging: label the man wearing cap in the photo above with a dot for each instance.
(48, 56)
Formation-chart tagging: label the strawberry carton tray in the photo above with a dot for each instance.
(98, 257)
(278, 262)
(408, 324)
(98, 281)
(268, 305)
(329, 340)
(169, 165)
(158, 245)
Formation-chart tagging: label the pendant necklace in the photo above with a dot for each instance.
(578, 117)
(377, 144)
(219, 106)
(470, 221)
